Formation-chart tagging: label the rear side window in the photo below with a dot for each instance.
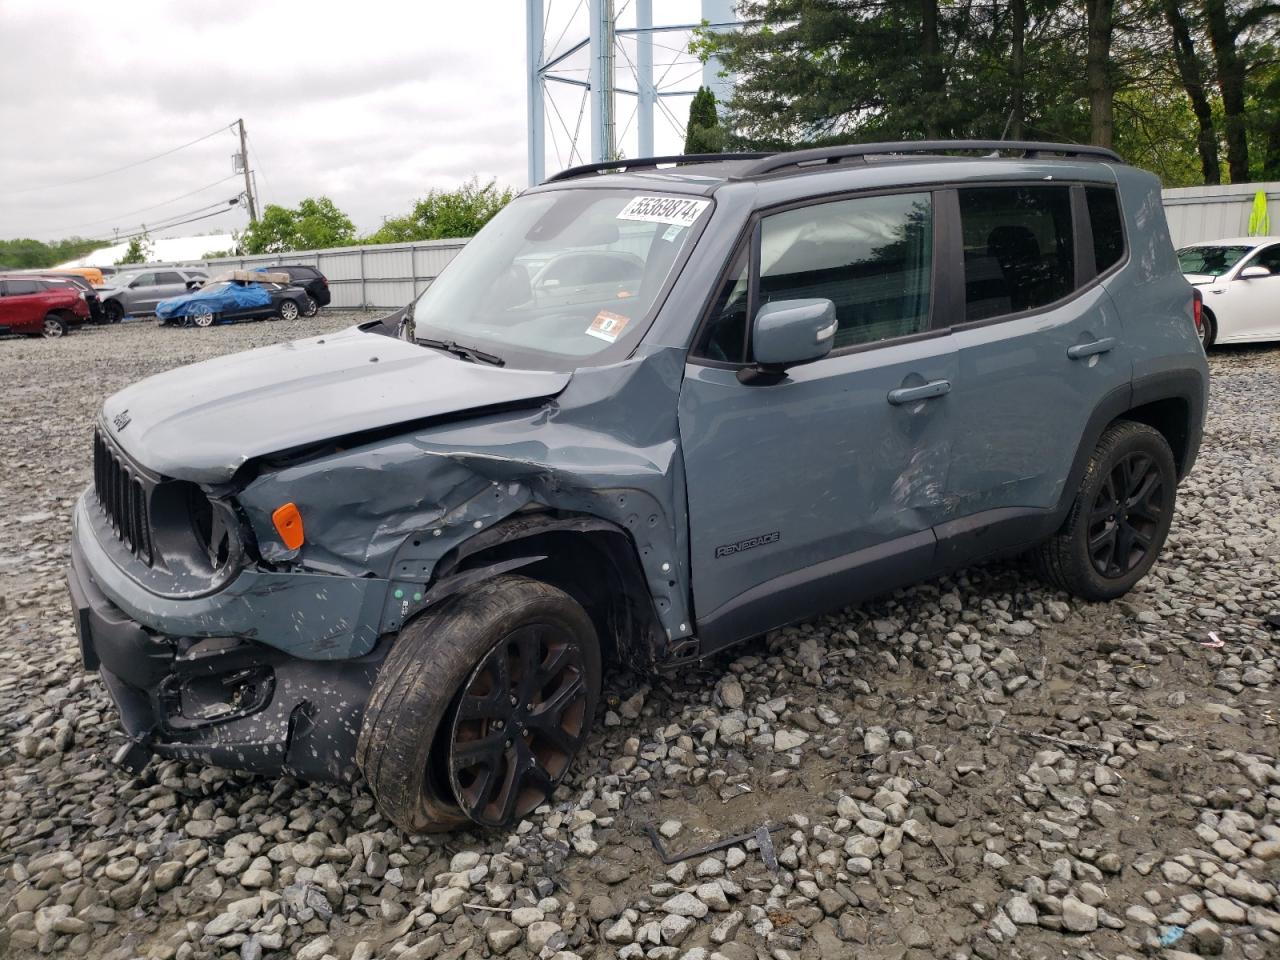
(1106, 226)
(870, 256)
(17, 288)
(1018, 248)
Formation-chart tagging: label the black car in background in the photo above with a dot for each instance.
(309, 278)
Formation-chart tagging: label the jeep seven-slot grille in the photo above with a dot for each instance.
(123, 497)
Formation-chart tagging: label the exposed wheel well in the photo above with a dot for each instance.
(1172, 417)
(599, 569)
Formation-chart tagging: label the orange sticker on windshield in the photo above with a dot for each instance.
(607, 326)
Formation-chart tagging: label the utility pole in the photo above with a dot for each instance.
(248, 182)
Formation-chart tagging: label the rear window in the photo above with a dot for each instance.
(1019, 249)
(1106, 226)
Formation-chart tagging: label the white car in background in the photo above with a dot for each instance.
(1240, 281)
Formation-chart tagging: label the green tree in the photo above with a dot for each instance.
(314, 224)
(138, 251)
(445, 214)
(703, 133)
(1166, 81)
(26, 253)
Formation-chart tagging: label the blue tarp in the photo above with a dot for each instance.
(219, 298)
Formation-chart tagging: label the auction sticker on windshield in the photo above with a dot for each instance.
(675, 210)
(607, 326)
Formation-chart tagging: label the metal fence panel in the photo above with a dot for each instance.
(387, 276)
(1217, 212)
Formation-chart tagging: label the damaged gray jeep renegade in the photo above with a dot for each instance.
(654, 408)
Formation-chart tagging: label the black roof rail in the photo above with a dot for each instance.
(644, 163)
(835, 154)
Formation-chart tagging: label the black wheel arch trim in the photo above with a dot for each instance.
(634, 632)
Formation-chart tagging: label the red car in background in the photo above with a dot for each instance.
(40, 307)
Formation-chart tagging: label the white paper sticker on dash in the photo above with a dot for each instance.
(607, 326)
(681, 211)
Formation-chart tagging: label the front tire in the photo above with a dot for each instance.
(481, 706)
(201, 315)
(1208, 328)
(1120, 518)
(113, 311)
(309, 307)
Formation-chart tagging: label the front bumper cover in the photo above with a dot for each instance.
(229, 701)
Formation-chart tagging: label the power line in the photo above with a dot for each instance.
(162, 203)
(127, 166)
(165, 226)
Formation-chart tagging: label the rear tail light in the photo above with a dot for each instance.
(1197, 309)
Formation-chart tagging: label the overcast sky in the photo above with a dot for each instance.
(369, 102)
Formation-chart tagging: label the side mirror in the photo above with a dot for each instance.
(1255, 272)
(787, 333)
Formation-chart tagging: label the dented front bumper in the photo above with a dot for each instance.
(216, 679)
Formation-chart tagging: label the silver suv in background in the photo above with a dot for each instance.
(137, 292)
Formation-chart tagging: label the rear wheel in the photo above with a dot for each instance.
(288, 310)
(1120, 517)
(54, 326)
(481, 707)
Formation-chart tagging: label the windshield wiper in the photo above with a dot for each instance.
(466, 353)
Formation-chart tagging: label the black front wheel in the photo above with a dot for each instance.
(1120, 517)
(1208, 328)
(481, 706)
(113, 311)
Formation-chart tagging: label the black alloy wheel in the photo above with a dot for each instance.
(518, 723)
(1126, 515)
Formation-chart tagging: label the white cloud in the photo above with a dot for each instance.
(371, 103)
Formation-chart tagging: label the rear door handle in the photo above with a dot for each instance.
(1082, 350)
(926, 391)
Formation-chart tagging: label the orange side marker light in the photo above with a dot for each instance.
(288, 523)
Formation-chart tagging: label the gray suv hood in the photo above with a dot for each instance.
(205, 421)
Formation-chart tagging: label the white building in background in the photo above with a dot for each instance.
(163, 250)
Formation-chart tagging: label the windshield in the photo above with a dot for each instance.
(1211, 261)
(559, 277)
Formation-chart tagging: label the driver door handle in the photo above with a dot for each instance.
(926, 391)
(1082, 350)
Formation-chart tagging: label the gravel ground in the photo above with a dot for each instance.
(974, 767)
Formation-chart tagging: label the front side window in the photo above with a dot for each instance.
(172, 277)
(144, 280)
(725, 339)
(1269, 258)
(1210, 261)
(558, 278)
(1019, 251)
(870, 256)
